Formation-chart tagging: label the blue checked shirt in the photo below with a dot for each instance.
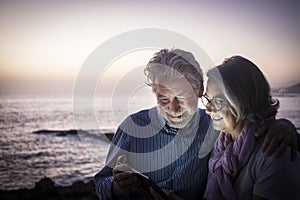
(168, 155)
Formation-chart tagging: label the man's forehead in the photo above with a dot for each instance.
(168, 81)
(175, 87)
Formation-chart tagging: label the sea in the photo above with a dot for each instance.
(26, 156)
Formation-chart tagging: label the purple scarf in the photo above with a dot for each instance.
(228, 158)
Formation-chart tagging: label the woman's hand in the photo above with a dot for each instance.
(280, 134)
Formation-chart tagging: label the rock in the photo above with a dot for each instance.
(109, 136)
(45, 190)
(61, 132)
(44, 183)
(74, 132)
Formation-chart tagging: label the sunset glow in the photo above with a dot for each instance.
(44, 44)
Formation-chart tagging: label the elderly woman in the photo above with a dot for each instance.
(238, 99)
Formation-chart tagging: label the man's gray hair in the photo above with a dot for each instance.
(174, 63)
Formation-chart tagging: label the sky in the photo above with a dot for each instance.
(43, 44)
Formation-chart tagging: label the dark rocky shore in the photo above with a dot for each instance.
(45, 189)
(74, 132)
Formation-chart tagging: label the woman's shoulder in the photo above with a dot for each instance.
(260, 163)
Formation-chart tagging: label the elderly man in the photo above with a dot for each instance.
(163, 142)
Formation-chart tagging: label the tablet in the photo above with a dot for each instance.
(148, 182)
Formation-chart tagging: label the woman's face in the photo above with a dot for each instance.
(218, 109)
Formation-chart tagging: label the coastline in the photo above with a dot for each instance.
(45, 189)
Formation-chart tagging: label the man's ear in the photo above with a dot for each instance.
(201, 90)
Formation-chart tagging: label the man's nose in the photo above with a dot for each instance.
(174, 106)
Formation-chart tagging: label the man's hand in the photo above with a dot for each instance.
(280, 134)
(124, 181)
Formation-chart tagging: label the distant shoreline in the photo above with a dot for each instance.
(278, 94)
(294, 89)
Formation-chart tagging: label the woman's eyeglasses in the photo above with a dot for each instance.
(216, 103)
